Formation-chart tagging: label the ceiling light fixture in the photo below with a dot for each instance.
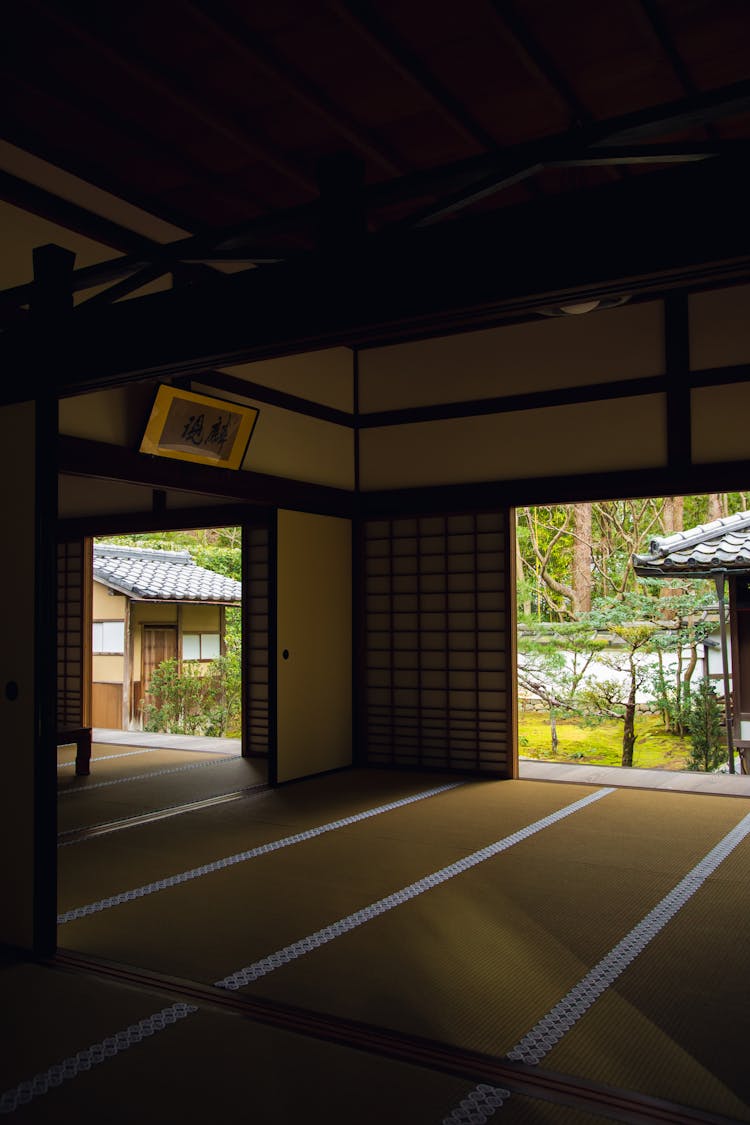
(579, 308)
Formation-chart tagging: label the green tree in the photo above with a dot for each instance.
(707, 745)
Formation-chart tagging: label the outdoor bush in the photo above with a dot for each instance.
(200, 700)
(704, 724)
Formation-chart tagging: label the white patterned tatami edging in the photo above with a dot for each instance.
(92, 1056)
(558, 1022)
(478, 1105)
(291, 952)
(550, 1029)
(108, 757)
(242, 857)
(84, 1060)
(142, 776)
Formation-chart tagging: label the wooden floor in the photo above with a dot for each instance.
(387, 947)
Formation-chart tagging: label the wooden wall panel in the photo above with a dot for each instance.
(436, 643)
(256, 607)
(73, 578)
(324, 376)
(106, 706)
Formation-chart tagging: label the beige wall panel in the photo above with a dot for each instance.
(325, 376)
(200, 618)
(107, 669)
(720, 423)
(589, 437)
(547, 354)
(89, 496)
(315, 626)
(17, 663)
(294, 446)
(106, 606)
(117, 417)
(720, 327)
(160, 612)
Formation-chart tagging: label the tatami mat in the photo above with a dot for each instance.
(677, 1022)
(148, 782)
(209, 1066)
(233, 916)
(107, 865)
(479, 960)
(476, 961)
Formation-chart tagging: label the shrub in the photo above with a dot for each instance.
(704, 725)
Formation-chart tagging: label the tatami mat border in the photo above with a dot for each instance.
(251, 853)
(147, 776)
(481, 1103)
(95, 1054)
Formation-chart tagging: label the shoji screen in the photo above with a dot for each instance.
(437, 643)
(256, 599)
(73, 574)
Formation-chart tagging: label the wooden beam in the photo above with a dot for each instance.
(677, 356)
(483, 496)
(80, 457)
(624, 238)
(222, 381)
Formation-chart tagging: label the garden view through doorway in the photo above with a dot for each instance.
(618, 669)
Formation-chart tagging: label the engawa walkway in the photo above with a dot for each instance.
(167, 741)
(681, 781)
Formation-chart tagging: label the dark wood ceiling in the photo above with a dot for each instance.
(212, 113)
(266, 130)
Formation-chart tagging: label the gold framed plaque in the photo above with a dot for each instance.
(198, 428)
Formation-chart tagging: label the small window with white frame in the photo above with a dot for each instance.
(201, 646)
(108, 637)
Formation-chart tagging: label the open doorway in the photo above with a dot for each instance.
(630, 623)
(167, 637)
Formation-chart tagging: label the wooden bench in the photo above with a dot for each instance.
(81, 736)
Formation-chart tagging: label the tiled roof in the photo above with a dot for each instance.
(162, 576)
(707, 549)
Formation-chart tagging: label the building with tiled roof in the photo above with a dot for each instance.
(149, 606)
(722, 546)
(165, 576)
(719, 550)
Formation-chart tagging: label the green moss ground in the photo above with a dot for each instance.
(601, 745)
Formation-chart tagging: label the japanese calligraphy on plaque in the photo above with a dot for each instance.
(194, 427)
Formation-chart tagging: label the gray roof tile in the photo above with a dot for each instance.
(162, 576)
(723, 544)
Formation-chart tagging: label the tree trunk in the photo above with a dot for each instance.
(553, 732)
(674, 507)
(716, 507)
(628, 731)
(672, 518)
(581, 559)
(520, 575)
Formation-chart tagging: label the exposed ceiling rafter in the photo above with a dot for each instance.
(252, 242)
(247, 44)
(363, 16)
(171, 87)
(537, 61)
